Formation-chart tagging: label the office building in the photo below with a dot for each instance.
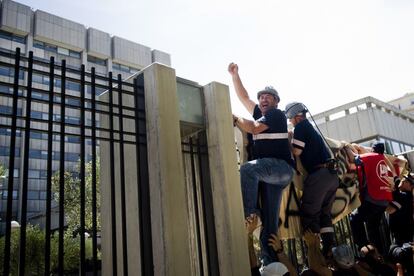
(49, 35)
(367, 120)
(405, 103)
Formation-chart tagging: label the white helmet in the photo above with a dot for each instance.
(294, 108)
(274, 269)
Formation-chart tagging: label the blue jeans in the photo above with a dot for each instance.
(276, 175)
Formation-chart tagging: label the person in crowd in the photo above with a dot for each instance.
(343, 262)
(321, 183)
(277, 246)
(272, 162)
(375, 194)
(400, 211)
(373, 262)
(251, 224)
(401, 224)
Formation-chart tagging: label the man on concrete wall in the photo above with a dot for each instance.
(320, 185)
(272, 162)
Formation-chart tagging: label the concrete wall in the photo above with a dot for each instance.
(99, 43)
(177, 241)
(130, 53)
(57, 30)
(16, 17)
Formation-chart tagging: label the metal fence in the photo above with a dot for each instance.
(58, 99)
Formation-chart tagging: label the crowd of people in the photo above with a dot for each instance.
(274, 153)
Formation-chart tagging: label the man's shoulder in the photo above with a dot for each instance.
(276, 112)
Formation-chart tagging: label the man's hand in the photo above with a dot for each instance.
(251, 223)
(390, 209)
(275, 243)
(311, 239)
(233, 69)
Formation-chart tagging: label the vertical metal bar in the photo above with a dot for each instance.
(122, 176)
(147, 262)
(7, 242)
(49, 165)
(62, 169)
(94, 199)
(207, 205)
(304, 253)
(23, 222)
(112, 172)
(82, 172)
(196, 209)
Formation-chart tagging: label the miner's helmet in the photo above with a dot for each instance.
(295, 108)
(269, 90)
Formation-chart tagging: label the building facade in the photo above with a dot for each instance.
(405, 103)
(367, 120)
(48, 35)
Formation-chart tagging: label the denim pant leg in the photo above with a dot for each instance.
(270, 170)
(270, 199)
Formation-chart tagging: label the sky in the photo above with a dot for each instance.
(323, 53)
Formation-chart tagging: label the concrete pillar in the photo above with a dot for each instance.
(169, 212)
(225, 181)
(168, 204)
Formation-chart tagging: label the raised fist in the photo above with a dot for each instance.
(233, 68)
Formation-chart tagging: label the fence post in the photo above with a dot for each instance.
(167, 190)
(225, 181)
(169, 212)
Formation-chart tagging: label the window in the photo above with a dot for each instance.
(9, 72)
(9, 110)
(55, 49)
(38, 44)
(124, 68)
(63, 51)
(74, 54)
(12, 37)
(32, 195)
(73, 102)
(42, 195)
(73, 86)
(34, 173)
(5, 192)
(7, 132)
(71, 156)
(97, 60)
(5, 151)
(40, 95)
(6, 89)
(36, 114)
(43, 174)
(50, 48)
(72, 139)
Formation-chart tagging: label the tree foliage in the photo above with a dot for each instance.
(35, 248)
(72, 197)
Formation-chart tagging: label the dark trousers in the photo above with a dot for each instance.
(371, 214)
(319, 190)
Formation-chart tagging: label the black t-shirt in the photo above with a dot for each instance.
(314, 149)
(272, 142)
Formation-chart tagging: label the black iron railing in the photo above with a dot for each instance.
(89, 108)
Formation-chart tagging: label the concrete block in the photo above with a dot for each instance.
(161, 57)
(99, 43)
(15, 17)
(57, 30)
(130, 53)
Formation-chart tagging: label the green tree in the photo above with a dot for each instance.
(72, 199)
(2, 170)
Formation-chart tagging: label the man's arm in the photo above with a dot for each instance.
(249, 126)
(240, 90)
(276, 244)
(315, 258)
